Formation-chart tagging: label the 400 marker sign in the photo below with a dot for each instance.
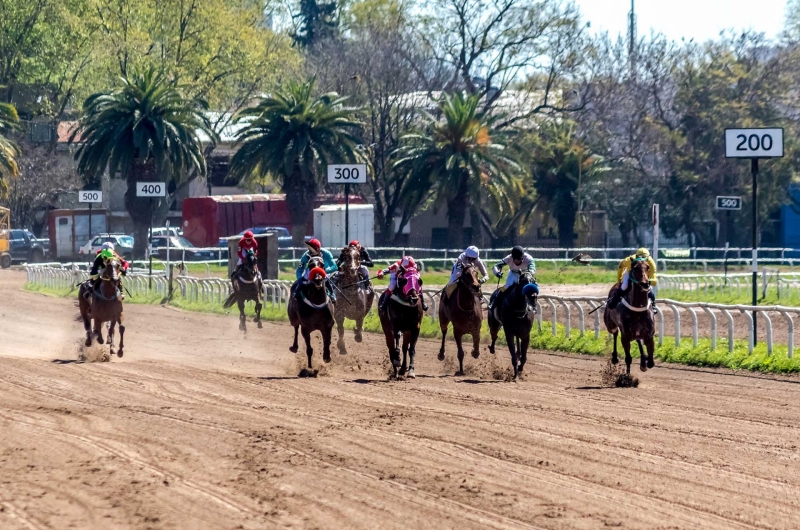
(151, 189)
(753, 143)
(347, 174)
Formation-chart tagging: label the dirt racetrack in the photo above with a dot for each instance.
(197, 428)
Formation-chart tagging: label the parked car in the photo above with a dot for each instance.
(23, 246)
(284, 236)
(123, 244)
(179, 249)
(177, 232)
(223, 244)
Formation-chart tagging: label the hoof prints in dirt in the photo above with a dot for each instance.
(486, 367)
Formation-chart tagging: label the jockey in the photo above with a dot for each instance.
(395, 271)
(105, 253)
(470, 257)
(329, 266)
(623, 277)
(518, 262)
(363, 258)
(248, 242)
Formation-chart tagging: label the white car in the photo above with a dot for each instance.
(123, 244)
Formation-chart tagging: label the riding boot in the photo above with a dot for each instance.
(330, 291)
(493, 300)
(384, 300)
(424, 305)
(652, 297)
(615, 298)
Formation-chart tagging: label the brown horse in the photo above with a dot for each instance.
(463, 308)
(402, 315)
(247, 286)
(357, 296)
(632, 317)
(104, 304)
(311, 310)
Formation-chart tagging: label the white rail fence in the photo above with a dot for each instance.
(564, 310)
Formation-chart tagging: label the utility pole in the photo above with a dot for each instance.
(632, 38)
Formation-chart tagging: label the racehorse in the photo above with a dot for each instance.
(104, 304)
(515, 314)
(247, 286)
(463, 308)
(632, 317)
(402, 314)
(357, 296)
(312, 310)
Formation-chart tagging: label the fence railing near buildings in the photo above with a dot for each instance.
(563, 310)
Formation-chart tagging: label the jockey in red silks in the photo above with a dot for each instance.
(397, 270)
(248, 242)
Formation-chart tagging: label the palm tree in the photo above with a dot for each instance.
(459, 159)
(559, 163)
(143, 130)
(292, 136)
(9, 151)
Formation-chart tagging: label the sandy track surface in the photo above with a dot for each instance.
(197, 428)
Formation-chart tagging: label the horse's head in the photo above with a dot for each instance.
(111, 270)
(316, 262)
(410, 283)
(640, 274)
(352, 259)
(317, 277)
(469, 277)
(250, 260)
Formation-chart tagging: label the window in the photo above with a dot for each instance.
(17, 234)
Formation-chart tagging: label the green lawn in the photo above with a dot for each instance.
(702, 355)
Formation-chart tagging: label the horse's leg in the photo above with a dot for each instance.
(476, 343)
(460, 348)
(511, 340)
(396, 352)
(642, 359)
(614, 355)
(242, 316)
(98, 330)
(494, 330)
(443, 326)
(121, 335)
(412, 352)
(650, 344)
(111, 327)
(406, 341)
(359, 328)
(259, 306)
(340, 330)
(293, 348)
(626, 345)
(87, 325)
(309, 350)
(327, 333)
(524, 341)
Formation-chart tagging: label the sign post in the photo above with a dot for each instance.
(655, 234)
(753, 144)
(151, 190)
(91, 197)
(347, 174)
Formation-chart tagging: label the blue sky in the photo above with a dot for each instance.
(698, 19)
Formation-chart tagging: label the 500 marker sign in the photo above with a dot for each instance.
(151, 189)
(729, 203)
(90, 196)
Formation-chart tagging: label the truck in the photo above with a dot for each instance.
(18, 245)
(71, 229)
(5, 233)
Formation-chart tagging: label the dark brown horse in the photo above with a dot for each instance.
(464, 309)
(632, 317)
(312, 310)
(104, 304)
(515, 315)
(247, 286)
(357, 296)
(402, 315)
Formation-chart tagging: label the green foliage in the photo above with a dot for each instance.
(9, 151)
(319, 22)
(293, 136)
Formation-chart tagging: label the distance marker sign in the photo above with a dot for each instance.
(729, 203)
(347, 174)
(151, 189)
(90, 196)
(753, 143)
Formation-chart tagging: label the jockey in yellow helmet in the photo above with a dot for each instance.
(623, 277)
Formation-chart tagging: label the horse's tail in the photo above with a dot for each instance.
(230, 300)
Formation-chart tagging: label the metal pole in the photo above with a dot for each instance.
(149, 249)
(90, 223)
(346, 214)
(754, 170)
(655, 234)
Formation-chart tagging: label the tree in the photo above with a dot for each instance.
(143, 130)
(319, 21)
(9, 151)
(457, 159)
(292, 136)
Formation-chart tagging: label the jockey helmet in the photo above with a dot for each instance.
(642, 253)
(354, 243)
(107, 254)
(472, 252)
(108, 245)
(408, 263)
(248, 235)
(314, 245)
(517, 252)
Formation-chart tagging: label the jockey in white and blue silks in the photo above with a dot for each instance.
(518, 262)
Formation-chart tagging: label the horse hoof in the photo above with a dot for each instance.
(342, 351)
(651, 363)
(358, 338)
(396, 364)
(410, 374)
(476, 354)
(293, 349)
(642, 368)
(441, 356)
(460, 373)
(326, 357)
(88, 343)
(260, 325)
(119, 354)
(491, 350)
(614, 360)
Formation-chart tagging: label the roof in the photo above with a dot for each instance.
(256, 197)
(65, 131)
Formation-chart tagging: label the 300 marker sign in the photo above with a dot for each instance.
(347, 174)
(151, 189)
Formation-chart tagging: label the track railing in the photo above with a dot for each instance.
(580, 310)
